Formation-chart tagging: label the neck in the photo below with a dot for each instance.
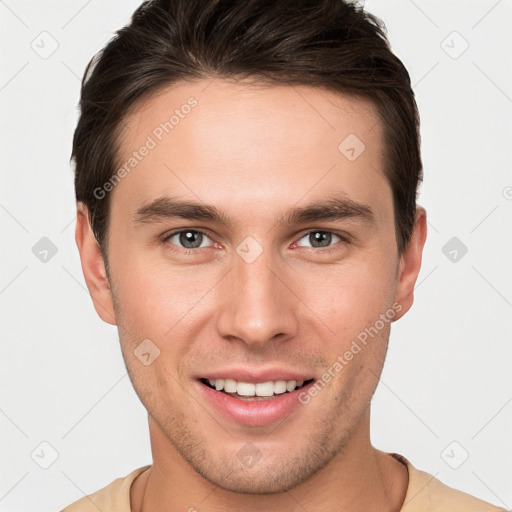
(359, 477)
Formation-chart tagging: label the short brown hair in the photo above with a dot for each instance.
(332, 44)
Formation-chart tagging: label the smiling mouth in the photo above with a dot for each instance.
(254, 392)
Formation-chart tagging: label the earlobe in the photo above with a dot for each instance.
(93, 266)
(410, 263)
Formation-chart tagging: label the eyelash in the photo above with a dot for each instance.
(182, 250)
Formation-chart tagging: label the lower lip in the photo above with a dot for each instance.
(254, 413)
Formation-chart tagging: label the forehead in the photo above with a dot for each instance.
(237, 144)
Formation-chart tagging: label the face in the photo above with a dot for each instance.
(285, 270)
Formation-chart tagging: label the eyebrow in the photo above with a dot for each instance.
(329, 209)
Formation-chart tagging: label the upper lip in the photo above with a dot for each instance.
(254, 376)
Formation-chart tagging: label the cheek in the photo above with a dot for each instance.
(153, 295)
(349, 298)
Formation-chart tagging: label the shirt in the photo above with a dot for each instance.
(425, 493)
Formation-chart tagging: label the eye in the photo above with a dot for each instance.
(188, 239)
(320, 239)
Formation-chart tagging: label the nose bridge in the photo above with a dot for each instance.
(258, 305)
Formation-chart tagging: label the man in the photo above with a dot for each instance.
(246, 181)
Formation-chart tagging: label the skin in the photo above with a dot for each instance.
(255, 153)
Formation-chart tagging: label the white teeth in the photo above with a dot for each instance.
(269, 388)
(291, 385)
(279, 387)
(245, 389)
(264, 389)
(230, 386)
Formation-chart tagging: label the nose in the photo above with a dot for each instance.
(258, 305)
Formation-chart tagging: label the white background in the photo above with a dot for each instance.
(447, 376)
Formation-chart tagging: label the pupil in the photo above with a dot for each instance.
(321, 236)
(187, 237)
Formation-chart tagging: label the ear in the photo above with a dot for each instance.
(93, 266)
(410, 263)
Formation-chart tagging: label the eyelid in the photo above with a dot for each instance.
(322, 230)
(184, 230)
